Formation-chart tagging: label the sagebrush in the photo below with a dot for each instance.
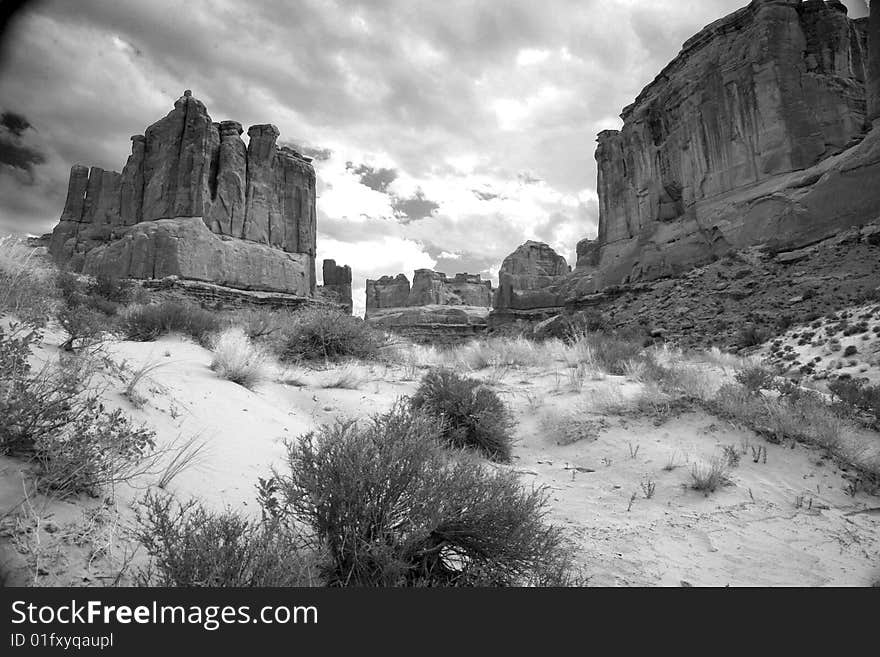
(390, 508)
(469, 413)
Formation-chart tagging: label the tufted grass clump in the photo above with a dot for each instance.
(237, 359)
(472, 415)
(390, 507)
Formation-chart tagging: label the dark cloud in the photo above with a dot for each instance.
(14, 123)
(376, 179)
(414, 208)
(413, 82)
(15, 152)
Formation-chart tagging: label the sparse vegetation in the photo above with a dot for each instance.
(237, 359)
(191, 546)
(148, 322)
(708, 477)
(26, 288)
(389, 508)
(328, 334)
(471, 414)
(54, 417)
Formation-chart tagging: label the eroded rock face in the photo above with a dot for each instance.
(185, 165)
(874, 63)
(337, 284)
(432, 287)
(435, 308)
(184, 247)
(428, 288)
(529, 281)
(750, 135)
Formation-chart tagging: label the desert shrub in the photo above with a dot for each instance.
(146, 323)
(26, 289)
(261, 324)
(191, 546)
(851, 350)
(237, 359)
(751, 335)
(755, 378)
(54, 417)
(84, 326)
(112, 288)
(852, 394)
(103, 296)
(98, 449)
(803, 417)
(612, 353)
(470, 414)
(35, 403)
(329, 334)
(498, 351)
(391, 509)
(710, 476)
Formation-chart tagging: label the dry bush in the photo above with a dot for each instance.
(328, 334)
(26, 287)
(611, 353)
(755, 378)
(708, 477)
(148, 322)
(498, 352)
(237, 359)
(54, 417)
(191, 546)
(391, 509)
(470, 414)
(347, 377)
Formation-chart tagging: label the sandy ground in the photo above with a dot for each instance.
(783, 522)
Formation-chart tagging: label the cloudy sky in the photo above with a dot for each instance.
(445, 133)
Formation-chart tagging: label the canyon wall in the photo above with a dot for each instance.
(254, 204)
(435, 308)
(757, 132)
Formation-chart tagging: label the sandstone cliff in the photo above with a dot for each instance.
(337, 284)
(256, 204)
(428, 288)
(529, 281)
(755, 133)
(435, 308)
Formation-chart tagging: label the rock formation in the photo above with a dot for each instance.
(196, 202)
(428, 288)
(337, 284)
(435, 308)
(529, 281)
(755, 133)
(874, 63)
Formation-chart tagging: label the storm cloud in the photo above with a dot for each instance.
(428, 101)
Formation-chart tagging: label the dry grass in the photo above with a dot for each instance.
(568, 428)
(347, 377)
(25, 285)
(708, 477)
(237, 359)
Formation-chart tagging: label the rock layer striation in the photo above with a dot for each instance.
(757, 132)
